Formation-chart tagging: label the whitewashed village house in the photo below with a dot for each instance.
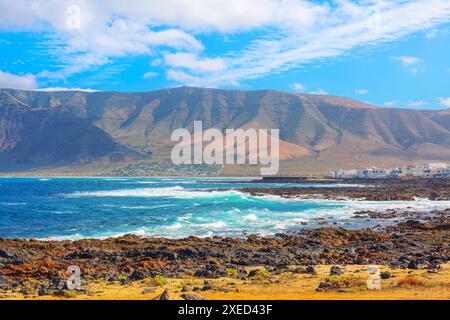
(427, 171)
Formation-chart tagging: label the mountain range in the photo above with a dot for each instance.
(43, 129)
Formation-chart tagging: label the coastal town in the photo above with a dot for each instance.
(426, 171)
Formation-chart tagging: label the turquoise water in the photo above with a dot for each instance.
(77, 208)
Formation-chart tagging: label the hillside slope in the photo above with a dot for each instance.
(79, 127)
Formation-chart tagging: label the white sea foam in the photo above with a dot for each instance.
(214, 225)
(136, 207)
(13, 203)
(174, 226)
(72, 237)
(289, 223)
(252, 217)
(173, 192)
(144, 182)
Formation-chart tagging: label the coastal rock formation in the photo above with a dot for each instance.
(410, 244)
(390, 190)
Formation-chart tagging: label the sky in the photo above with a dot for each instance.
(392, 53)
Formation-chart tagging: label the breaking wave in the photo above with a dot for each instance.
(171, 192)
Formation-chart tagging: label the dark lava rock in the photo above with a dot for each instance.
(5, 282)
(43, 292)
(207, 288)
(311, 270)
(111, 278)
(187, 296)
(11, 256)
(252, 273)
(146, 291)
(58, 293)
(138, 275)
(164, 296)
(204, 274)
(325, 285)
(59, 283)
(335, 271)
(414, 265)
(24, 291)
(385, 275)
(185, 289)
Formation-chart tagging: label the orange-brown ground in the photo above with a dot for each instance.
(287, 286)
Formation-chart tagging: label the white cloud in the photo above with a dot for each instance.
(416, 104)
(12, 81)
(361, 91)
(108, 29)
(181, 76)
(193, 62)
(58, 89)
(409, 104)
(445, 102)
(150, 74)
(336, 31)
(320, 92)
(292, 32)
(298, 87)
(198, 16)
(407, 61)
(390, 103)
(413, 64)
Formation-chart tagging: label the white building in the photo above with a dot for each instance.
(395, 172)
(373, 173)
(346, 174)
(427, 171)
(437, 173)
(331, 175)
(436, 166)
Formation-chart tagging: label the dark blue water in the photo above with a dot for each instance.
(76, 208)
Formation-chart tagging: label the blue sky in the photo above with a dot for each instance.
(388, 53)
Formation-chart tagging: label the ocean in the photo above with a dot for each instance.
(79, 208)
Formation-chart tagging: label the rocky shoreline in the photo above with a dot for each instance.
(39, 266)
(412, 240)
(397, 190)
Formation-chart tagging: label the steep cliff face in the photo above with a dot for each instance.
(53, 137)
(50, 128)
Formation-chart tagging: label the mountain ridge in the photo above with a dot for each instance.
(336, 131)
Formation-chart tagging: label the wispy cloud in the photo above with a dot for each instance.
(413, 64)
(444, 102)
(361, 91)
(194, 63)
(298, 87)
(291, 33)
(58, 89)
(416, 104)
(319, 91)
(335, 33)
(12, 81)
(150, 74)
(392, 103)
